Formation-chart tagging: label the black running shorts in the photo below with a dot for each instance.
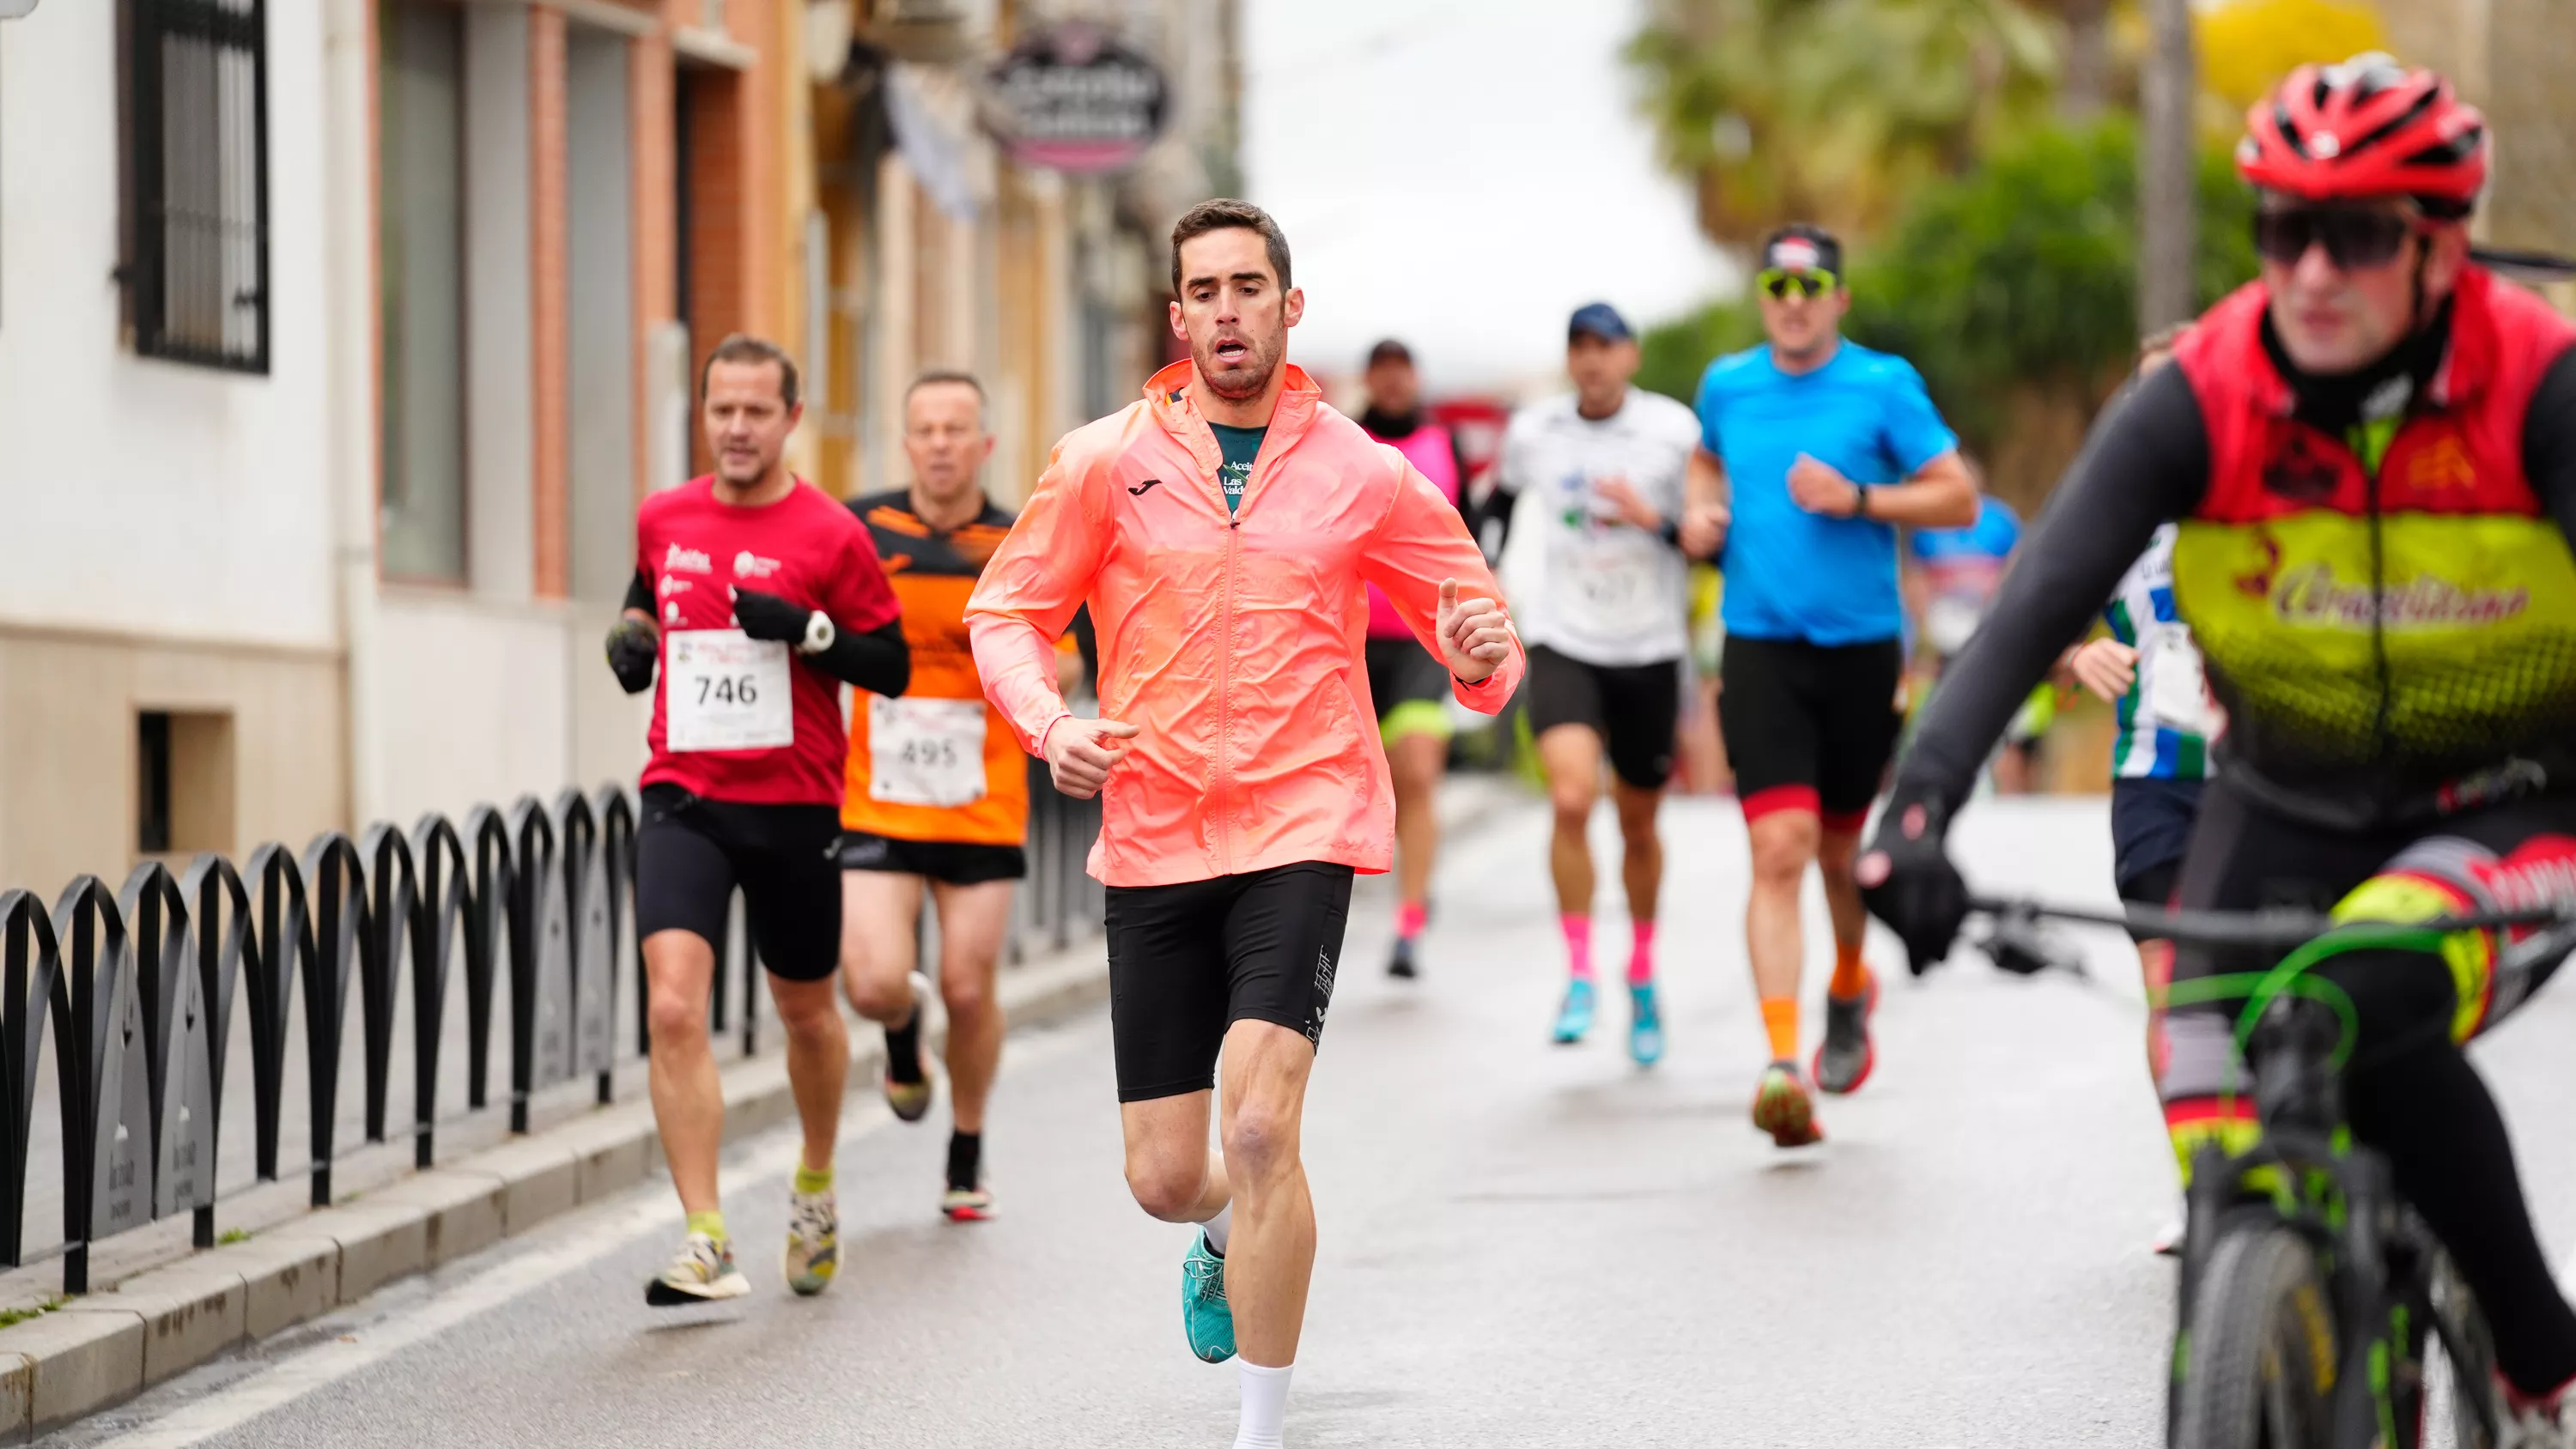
(1633, 708)
(1186, 962)
(1809, 726)
(691, 853)
(949, 862)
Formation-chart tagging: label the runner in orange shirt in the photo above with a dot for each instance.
(938, 789)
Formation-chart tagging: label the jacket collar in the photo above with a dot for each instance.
(1172, 394)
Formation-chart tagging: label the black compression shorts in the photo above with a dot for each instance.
(1186, 962)
(1633, 708)
(1809, 726)
(949, 862)
(691, 854)
(1403, 672)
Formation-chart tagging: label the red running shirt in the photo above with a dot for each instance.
(806, 549)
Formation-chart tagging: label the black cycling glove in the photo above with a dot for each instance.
(1907, 879)
(767, 616)
(633, 649)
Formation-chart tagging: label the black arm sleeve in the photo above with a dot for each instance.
(2147, 461)
(877, 661)
(639, 593)
(2549, 442)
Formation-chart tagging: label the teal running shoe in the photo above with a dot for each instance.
(1574, 1018)
(1205, 1315)
(1645, 1026)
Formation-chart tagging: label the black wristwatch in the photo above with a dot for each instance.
(1860, 500)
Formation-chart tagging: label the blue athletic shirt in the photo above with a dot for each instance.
(1791, 574)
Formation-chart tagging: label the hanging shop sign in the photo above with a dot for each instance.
(1074, 98)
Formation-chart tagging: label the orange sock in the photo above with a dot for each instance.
(1780, 1020)
(1851, 974)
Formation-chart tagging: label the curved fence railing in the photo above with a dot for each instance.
(133, 993)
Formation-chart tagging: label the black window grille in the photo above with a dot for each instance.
(197, 156)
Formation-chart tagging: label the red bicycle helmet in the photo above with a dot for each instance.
(2367, 127)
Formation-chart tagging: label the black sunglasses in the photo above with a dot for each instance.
(2353, 238)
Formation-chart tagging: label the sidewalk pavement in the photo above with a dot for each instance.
(159, 1309)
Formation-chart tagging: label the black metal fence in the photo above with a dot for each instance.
(139, 986)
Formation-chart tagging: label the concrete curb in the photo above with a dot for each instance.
(98, 1350)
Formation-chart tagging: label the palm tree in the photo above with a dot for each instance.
(2169, 91)
(1832, 110)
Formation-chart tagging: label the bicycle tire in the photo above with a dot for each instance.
(2259, 1372)
(2451, 1383)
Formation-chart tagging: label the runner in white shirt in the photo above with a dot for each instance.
(1599, 589)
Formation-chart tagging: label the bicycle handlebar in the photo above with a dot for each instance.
(2273, 927)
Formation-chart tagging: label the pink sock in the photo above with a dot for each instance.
(1409, 917)
(1578, 945)
(1641, 955)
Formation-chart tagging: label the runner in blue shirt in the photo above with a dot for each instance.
(1813, 450)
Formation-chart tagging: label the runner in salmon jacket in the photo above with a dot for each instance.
(1223, 530)
(758, 598)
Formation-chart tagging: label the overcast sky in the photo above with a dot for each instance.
(1462, 174)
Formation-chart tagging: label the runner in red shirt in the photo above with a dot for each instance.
(758, 597)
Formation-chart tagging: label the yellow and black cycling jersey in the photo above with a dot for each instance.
(2377, 568)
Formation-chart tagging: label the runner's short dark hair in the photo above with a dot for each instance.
(943, 377)
(1227, 214)
(743, 347)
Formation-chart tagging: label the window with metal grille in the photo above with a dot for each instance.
(196, 157)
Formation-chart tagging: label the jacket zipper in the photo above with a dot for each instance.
(2380, 743)
(1225, 684)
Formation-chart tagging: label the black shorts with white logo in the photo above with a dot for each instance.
(949, 862)
(1188, 961)
(1633, 708)
(691, 853)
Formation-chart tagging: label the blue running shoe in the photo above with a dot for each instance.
(1574, 1018)
(1205, 1315)
(1645, 1026)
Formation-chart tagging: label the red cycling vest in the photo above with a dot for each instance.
(2389, 617)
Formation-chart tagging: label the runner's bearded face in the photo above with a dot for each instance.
(944, 439)
(1394, 388)
(2343, 276)
(1233, 312)
(747, 421)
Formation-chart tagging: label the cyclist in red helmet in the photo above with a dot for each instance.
(2371, 453)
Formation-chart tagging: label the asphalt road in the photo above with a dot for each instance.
(1521, 1244)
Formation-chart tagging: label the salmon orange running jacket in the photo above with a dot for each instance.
(1232, 644)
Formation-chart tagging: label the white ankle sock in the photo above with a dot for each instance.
(1265, 1406)
(1219, 1228)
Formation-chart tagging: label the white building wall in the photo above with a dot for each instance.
(142, 496)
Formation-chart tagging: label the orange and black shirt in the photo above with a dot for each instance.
(937, 764)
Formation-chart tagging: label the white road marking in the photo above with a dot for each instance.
(551, 1253)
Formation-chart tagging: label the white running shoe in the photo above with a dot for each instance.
(701, 1272)
(813, 1242)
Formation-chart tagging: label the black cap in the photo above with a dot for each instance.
(1390, 351)
(1598, 319)
(1800, 247)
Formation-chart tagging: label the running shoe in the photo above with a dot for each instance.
(1400, 964)
(701, 1272)
(968, 1204)
(1845, 1059)
(2527, 1423)
(907, 1086)
(1574, 1018)
(1781, 1107)
(813, 1242)
(1645, 1026)
(1205, 1315)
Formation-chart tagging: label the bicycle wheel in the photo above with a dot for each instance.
(2457, 1387)
(2259, 1372)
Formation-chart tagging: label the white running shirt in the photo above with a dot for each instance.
(1578, 578)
